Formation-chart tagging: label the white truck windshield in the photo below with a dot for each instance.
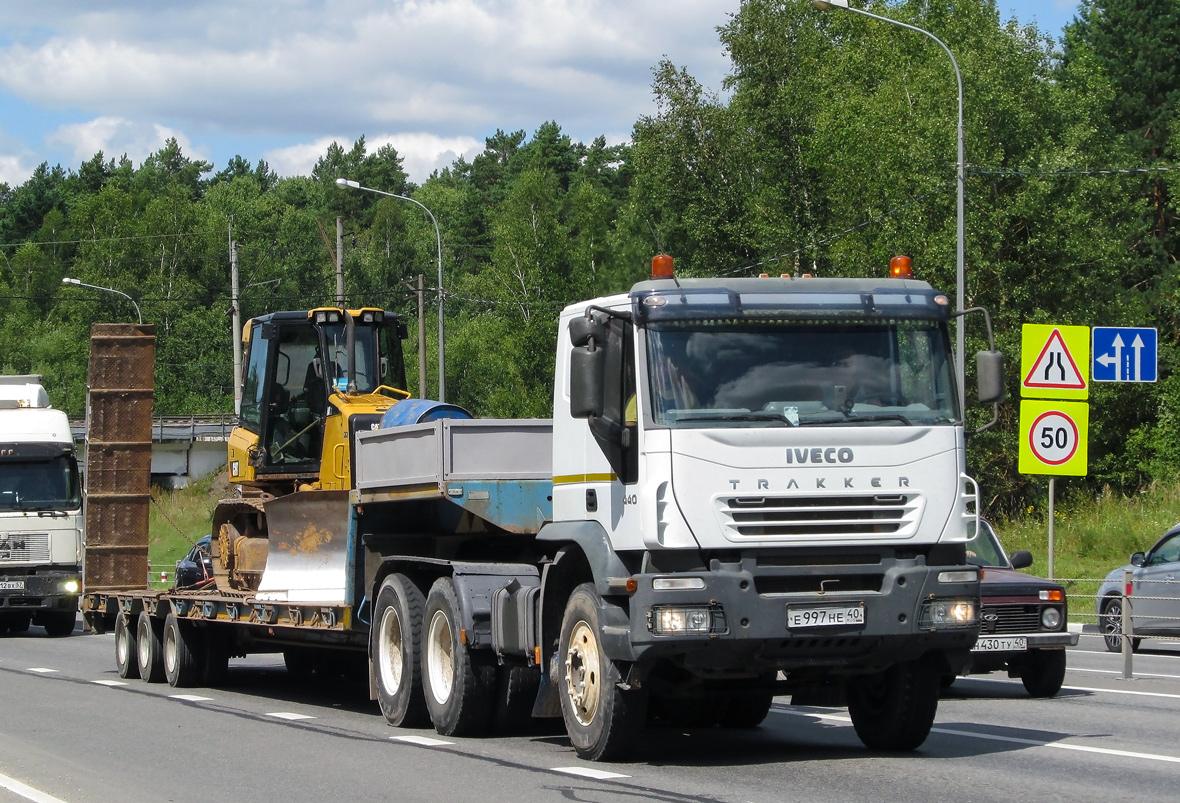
(800, 373)
(39, 485)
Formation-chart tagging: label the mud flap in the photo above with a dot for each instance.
(307, 557)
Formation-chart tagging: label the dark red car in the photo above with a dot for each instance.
(1023, 625)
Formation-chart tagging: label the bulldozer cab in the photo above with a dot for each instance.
(294, 362)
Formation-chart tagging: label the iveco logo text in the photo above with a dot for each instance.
(820, 455)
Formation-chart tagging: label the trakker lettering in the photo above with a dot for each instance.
(820, 454)
(820, 482)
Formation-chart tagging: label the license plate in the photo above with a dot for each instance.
(827, 616)
(1000, 644)
(12, 585)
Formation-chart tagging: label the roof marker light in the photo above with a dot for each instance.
(901, 268)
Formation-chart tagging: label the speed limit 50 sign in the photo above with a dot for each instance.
(1053, 437)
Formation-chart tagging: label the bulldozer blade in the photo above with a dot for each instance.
(307, 556)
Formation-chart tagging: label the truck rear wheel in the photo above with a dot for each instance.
(397, 652)
(125, 649)
(457, 683)
(894, 709)
(602, 720)
(181, 664)
(149, 648)
(58, 623)
(1043, 672)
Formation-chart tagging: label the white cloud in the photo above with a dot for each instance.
(14, 169)
(421, 153)
(116, 136)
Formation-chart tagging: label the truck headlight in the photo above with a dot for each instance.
(670, 620)
(1051, 618)
(938, 613)
(71, 586)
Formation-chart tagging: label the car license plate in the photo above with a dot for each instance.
(827, 616)
(1000, 644)
(12, 585)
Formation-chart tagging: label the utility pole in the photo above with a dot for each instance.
(421, 336)
(236, 309)
(339, 262)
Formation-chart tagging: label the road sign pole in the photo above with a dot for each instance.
(1052, 522)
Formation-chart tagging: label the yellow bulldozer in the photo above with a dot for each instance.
(310, 380)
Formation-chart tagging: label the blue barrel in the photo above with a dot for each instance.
(419, 411)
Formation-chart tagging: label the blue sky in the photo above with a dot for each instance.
(282, 79)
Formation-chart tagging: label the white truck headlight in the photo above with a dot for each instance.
(674, 620)
(939, 613)
(71, 586)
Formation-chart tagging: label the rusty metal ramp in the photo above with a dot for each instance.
(307, 554)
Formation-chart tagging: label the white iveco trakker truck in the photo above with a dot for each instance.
(749, 488)
(40, 511)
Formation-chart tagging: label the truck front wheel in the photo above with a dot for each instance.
(459, 684)
(125, 649)
(397, 652)
(58, 623)
(149, 648)
(894, 709)
(603, 720)
(1043, 672)
(182, 665)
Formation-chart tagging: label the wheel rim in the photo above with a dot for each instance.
(170, 650)
(440, 658)
(583, 675)
(389, 650)
(122, 648)
(1112, 624)
(144, 651)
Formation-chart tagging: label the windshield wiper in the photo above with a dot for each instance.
(858, 417)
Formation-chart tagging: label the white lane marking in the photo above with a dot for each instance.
(1160, 694)
(190, 698)
(289, 716)
(1119, 672)
(26, 791)
(109, 682)
(586, 772)
(425, 741)
(41, 669)
(1106, 751)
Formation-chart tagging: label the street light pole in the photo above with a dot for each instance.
(356, 185)
(960, 281)
(77, 283)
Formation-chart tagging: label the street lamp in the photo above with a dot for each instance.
(960, 282)
(356, 185)
(68, 280)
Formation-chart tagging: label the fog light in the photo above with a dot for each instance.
(676, 621)
(1051, 618)
(949, 613)
(71, 586)
(969, 576)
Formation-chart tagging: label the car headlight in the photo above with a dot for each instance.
(1051, 618)
(939, 613)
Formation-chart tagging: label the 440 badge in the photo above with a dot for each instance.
(1053, 437)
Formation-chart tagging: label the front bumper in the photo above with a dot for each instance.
(40, 591)
(748, 612)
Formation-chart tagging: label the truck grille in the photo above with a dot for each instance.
(1001, 619)
(833, 516)
(25, 548)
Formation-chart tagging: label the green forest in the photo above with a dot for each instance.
(830, 147)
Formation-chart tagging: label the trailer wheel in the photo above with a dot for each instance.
(457, 683)
(214, 658)
(603, 720)
(397, 652)
(149, 648)
(125, 649)
(1043, 672)
(894, 709)
(181, 664)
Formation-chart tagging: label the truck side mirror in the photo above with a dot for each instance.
(586, 381)
(989, 368)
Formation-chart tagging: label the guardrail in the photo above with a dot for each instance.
(1114, 613)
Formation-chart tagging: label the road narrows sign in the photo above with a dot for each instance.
(1054, 369)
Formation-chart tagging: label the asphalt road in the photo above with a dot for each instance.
(71, 731)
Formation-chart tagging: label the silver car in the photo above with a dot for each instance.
(1154, 594)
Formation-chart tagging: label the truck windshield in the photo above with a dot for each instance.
(727, 372)
(40, 485)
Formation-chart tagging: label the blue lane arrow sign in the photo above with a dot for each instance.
(1123, 354)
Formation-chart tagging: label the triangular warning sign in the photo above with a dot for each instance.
(1055, 367)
